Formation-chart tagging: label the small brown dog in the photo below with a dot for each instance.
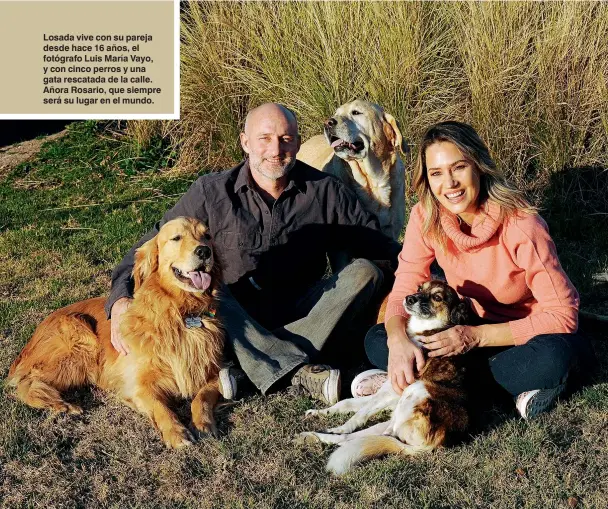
(431, 412)
(174, 340)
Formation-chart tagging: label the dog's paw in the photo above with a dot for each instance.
(177, 438)
(307, 437)
(313, 411)
(204, 430)
(68, 408)
(74, 409)
(340, 430)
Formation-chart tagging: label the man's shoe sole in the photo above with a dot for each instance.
(334, 384)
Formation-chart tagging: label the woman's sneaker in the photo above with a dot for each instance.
(529, 404)
(320, 381)
(368, 382)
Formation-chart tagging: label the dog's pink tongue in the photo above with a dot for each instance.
(336, 143)
(200, 280)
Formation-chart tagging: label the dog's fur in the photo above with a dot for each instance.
(361, 147)
(430, 413)
(167, 360)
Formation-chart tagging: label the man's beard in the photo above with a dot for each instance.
(276, 171)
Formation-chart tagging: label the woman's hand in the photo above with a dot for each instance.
(454, 341)
(404, 357)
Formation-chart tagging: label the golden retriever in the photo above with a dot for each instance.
(361, 147)
(431, 412)
(175, 342)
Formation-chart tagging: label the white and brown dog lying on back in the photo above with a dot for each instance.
(431, 412)
(174, 340)
(360, 146)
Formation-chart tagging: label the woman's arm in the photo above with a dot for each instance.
(558, 301)
(404, 357)
(495, 334)
(462, 338)
(414, 265)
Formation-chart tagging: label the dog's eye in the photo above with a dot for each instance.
(437, 297)
(177, 237)
(206, 236)
(356, 112)
(419, 288)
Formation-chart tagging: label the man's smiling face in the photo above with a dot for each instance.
(271, 140)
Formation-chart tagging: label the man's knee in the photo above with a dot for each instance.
(366, 270)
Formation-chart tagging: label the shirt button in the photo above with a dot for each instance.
(266, 212)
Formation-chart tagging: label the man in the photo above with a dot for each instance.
(273, 219)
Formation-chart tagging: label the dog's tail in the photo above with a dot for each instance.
(365, 448)
(61, 354)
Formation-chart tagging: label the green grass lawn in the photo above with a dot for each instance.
(67, 218)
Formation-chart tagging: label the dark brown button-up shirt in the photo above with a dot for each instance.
(279, 250)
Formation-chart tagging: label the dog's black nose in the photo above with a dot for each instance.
(411, 299)
(203, 252)
(331, 122)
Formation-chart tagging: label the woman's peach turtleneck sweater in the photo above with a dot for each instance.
(509, 270)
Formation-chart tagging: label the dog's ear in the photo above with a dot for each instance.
(393, 133)
(146, 262)
(460, 314)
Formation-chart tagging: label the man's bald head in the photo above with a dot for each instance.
(271, 142)
(270, 110)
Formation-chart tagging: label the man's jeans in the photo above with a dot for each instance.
(328, 309)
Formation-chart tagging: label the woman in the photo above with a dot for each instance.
(495, 250)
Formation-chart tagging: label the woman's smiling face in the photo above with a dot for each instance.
(453, 179)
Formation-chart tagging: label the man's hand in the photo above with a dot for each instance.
(454, 341)
(118, 308)
(404, 357)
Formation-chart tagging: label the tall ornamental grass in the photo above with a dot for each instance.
(530, 76)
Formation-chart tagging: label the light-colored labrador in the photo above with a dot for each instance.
(361, 147)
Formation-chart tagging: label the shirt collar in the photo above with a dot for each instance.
(296, 178)
(243, 178)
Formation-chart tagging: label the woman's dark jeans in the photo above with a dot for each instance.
(544, 362)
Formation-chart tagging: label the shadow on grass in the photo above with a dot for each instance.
(576, 203)
(576, 209)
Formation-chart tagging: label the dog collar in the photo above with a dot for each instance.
(193, 321)
(196, 321)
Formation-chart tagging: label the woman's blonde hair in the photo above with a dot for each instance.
(493, 185)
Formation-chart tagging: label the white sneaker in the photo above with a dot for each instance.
(368, 382)
(529, 404)
(228, 380)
